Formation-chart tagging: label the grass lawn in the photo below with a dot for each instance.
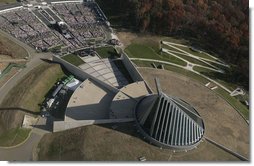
(234, 102)
(122, 144)
(202, 55)
(201, 69)
(10, 48)
(141, 48)
(216, 76)
(192, 60)
(144, 51)
(142, 63)
(173, 59)
(29, 93)
(107, 52)
(169, 48)
(141, 51)
(73, 59)
(8, 1)
(14, 137)
(220, 66)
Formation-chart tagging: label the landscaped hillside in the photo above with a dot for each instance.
(219, 26)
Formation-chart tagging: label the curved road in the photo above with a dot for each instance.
(23, 152)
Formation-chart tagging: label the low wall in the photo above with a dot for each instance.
(81, 74)
(62, 125)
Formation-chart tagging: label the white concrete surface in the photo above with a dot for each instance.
(89, 102)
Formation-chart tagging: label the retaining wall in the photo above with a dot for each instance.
(62, 125)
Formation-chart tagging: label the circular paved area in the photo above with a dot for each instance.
(223, 124)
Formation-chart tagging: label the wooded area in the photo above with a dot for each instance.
(218, 26)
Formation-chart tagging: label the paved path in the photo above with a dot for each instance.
(26, 150)
(22, 152)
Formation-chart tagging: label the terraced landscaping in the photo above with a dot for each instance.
(144, 51)
(147, 51)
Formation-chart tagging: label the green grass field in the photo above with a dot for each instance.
(73, 59)
(142, 63)
(150, 49)
(202, 55)
(14, 137)
(216, 76)
(107, 52)
(201, 69)
(29, 93)
(144, 51)
(192, 60)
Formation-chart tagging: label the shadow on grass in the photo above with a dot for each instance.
(128, 128)
(19, 109)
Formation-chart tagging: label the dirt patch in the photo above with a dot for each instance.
(223, 124)
(126, 37)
